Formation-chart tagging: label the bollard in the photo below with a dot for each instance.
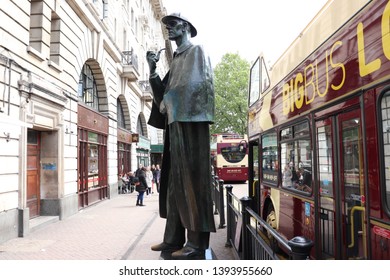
(300, 247)
(221, 205)
(246, 248)
(229, 214)
(214, 194)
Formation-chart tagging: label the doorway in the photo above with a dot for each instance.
(342, 190)
(33, 172)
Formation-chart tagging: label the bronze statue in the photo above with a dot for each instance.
(183, 105)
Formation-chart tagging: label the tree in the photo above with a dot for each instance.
(231, 77)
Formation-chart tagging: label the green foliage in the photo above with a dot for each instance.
(231, 77)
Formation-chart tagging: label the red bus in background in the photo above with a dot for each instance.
(229, 159)
(319, 133)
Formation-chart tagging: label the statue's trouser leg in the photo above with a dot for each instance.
(188, 186)
(198, 240)
(174, 232)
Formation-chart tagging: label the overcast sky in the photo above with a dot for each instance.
(247, 27)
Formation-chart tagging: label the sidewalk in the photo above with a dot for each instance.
(114, 229)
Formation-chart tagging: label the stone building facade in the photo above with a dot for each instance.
(74, 103)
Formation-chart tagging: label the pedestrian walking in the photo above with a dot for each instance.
(141, 187)
(156, 177)
(149, 180)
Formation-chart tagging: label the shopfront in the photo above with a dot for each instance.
(92, 156)
(156, 154)
(143, 151)
(125, 140)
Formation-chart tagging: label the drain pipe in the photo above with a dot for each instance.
(9, 86)
(5, 77)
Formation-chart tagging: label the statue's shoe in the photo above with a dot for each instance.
(165, 247)
(188, 253)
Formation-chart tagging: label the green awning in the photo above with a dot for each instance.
(157, 148)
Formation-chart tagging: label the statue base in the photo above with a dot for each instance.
(208, 255)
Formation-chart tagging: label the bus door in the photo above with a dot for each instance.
(341, 187)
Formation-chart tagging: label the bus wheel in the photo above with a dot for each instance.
(271, 220)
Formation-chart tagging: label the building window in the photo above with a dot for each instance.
(92, 167)
(120, 115)
(55, 34)
(36, 25)
(124, 40)
(140, 127)
(136, 27)
(87, 91)
(132, 18)
(92, 160)
(124, 158)
(105, 9)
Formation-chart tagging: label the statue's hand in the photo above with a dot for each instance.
(152, 59)
(163, 109)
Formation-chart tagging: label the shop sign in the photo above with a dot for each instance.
(144, 143)
(135, 137)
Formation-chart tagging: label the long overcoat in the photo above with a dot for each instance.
(187, 93)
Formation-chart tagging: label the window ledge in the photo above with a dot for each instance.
(35, 53)
(54, 65)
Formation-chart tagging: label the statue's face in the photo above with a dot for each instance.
(175, 28)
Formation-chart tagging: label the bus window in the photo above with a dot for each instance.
(264, 76)
(233, 154)
(286, 134)
(325, 161)
(296, 158)
(301, 130)
(385, 109)
(270, 165)
(229, 155)
(259, 80)
(327, 202)
(254, 83)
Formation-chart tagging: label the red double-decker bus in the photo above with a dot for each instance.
(229, 159)
(319, 129)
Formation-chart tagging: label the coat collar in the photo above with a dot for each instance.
(183, 48)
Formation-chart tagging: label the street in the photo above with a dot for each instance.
(114, 229)
(239, 189)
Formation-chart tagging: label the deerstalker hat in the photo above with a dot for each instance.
(179, 16)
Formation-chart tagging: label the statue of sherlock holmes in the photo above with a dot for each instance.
(184, 106)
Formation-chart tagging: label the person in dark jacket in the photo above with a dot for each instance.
(141, 187)
(156, 177)
(183, 105)
(132, 182)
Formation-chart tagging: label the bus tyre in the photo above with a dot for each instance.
(271, 220)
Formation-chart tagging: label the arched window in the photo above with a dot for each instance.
(140, 128)
(87, 91)
(120, 114)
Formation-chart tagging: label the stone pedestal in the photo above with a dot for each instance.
(208, 255)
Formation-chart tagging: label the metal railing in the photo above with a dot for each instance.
(129, 58)
(247, 233)
(145, 86)
(218, 199)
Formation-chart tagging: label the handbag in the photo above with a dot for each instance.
(139, 188)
